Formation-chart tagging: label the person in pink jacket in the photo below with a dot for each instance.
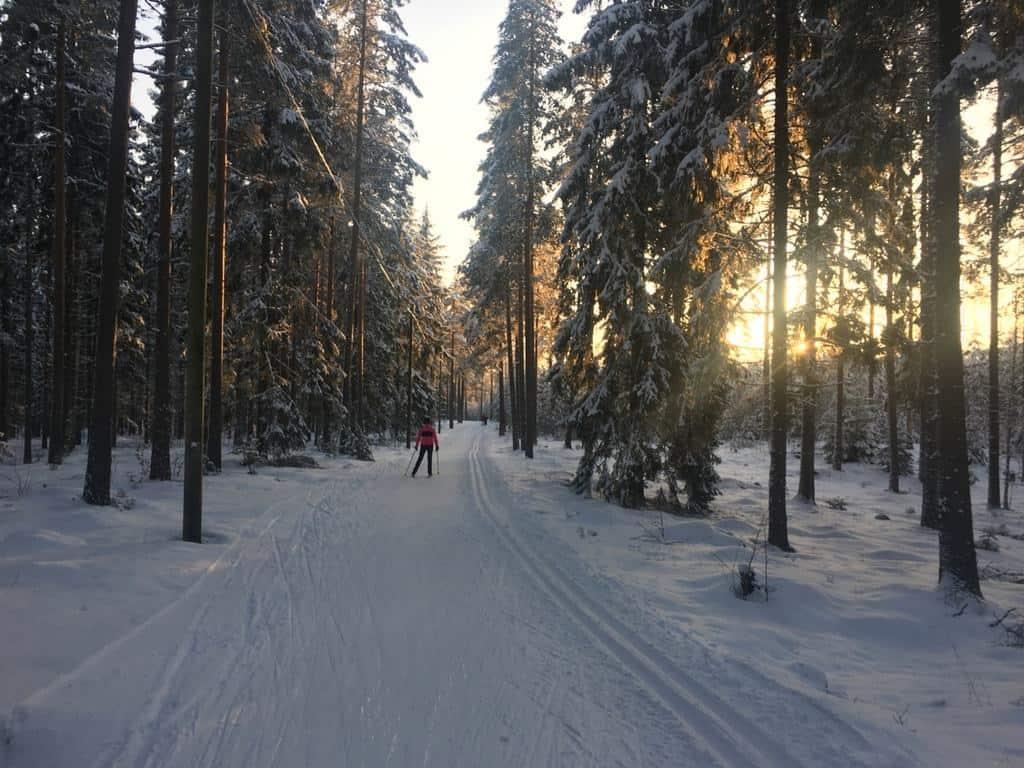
(426, 441)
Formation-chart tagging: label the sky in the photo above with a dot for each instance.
(459, 37)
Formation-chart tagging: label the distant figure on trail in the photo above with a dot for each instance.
(426, 441)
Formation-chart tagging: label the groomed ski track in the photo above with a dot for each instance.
(390, 621)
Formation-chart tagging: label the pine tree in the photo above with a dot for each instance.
(510, 218)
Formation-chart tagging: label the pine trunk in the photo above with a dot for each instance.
(993, 343)
(927, 457)
(215, 431)
(809, 400)
(1011, 409)
(509, 352)
(439, 381)
(29, 326)
(890, 387)
(56, 454)
(75, 332)
(958, 565)
(530, 433)
(767, 366)
(5, 362)
(451, 384)
(521, 368)
(873, 360)
(192, 518)
(97, 473)
(160, 459)
(355, 367)
(408, 391)
(501, 398)
(837, 438)
(778, 534)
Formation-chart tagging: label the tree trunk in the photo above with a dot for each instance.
(160, 458)
(509, 352)
(5, 362)
(890, 387)
(993, 343)
(439, 379)
(958, 565)
(1011, 408)
(56, 454)
(809, 400)
(451, 384)
(461, 392)
(777, 523)
(260, 382)
(767, 417)
(43, 414)
(27, 283)
(215, 431)
(501, 398)
(530, 433)
(97, 473)
(872, 360)
(355, 367)
(192, 518)
(521, 368)
(927, 457)
(837, 439)
(408, 391)
(74, 330)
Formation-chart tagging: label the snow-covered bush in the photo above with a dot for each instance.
(745, 581)
(355, 444)
(283, 428)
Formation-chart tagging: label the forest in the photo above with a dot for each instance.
(705, 222)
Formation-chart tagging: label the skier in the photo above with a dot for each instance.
(426, 441)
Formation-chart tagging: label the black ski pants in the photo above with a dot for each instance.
(429, 451)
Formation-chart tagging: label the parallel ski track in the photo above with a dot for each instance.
(726, 733)
(139, 747)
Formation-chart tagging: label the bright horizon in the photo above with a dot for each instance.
(459, 38)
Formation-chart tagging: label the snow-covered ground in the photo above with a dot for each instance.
(487, 617)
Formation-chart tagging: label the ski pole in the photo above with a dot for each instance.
(409, 465)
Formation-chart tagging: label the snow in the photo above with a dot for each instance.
(347, 615)
(853, 620)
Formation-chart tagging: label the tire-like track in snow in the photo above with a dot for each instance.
(720, 728)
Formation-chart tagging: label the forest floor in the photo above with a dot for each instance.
(350, 616)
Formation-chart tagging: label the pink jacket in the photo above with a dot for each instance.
(427, 436)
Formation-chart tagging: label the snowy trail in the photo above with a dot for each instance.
(709, 721)
(387, 621)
